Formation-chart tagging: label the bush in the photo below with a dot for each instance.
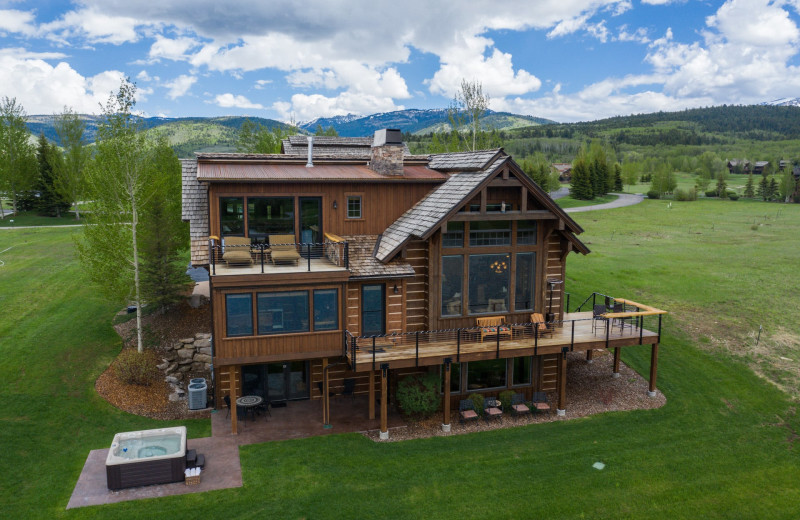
(711, 193)
(733, 196)
(134, 368)
(477, 402)
(505, 398)
(653, 194)
(685, 195)
(418, 394)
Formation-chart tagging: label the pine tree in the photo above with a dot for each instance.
(722, 187)
(748, 189)
(617, 177)
(763, 188)
(773, 188)
(581, 185)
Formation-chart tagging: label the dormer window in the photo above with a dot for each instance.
(354, 206)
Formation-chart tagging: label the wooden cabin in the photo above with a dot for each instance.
(394, 261)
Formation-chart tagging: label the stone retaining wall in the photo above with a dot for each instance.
(189, 357)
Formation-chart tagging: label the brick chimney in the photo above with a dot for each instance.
(387, 152)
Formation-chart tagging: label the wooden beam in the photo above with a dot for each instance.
(483, 200)
(523, 206)
(371, 394)
(539, 214)
(589, 354)
(326, 398)
(501, 183)
(232, 395)
(616, 359)
(384, 405)
(446, 403)
(504, 175)
(562, 381)
(653, 367)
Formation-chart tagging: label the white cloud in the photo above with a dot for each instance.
(180, 86)
(94, 25)
(569, 26)
(261, 83)
(305, 107)
(229, 100)
(172, 49)
(638, 36)
(21, 54)
(754, 22)
(46, 89)
(144, 76)
(14, 21)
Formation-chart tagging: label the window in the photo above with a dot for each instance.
(372, 310)
(231, 216)
(283, 312)
(270, 216)
(484, 375)
(454, 236)
(525, 282)
(452, 282)
(455, 378)
(354, 206)
(326, 309)
(490, 233)
(239, 315)
(488, 283)
(522, 371)
(526, 233)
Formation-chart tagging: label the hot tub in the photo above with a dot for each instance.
(146, 457)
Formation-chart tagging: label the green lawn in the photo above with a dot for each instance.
(716, 450)
(32, 219)
(569, 202)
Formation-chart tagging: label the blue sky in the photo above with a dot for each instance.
(567, 60)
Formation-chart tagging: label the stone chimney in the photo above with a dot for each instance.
(387, 152)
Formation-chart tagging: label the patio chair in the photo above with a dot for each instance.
(491, 410)
(539, 326)
(227, 400)
(597, 316)
(493, 326)
(282, 249)
(540, 403)
(622, 322)
(237, 251)
(321, 390)
(518, 406)
(466, 409)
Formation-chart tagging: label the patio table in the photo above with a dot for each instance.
(249, 403)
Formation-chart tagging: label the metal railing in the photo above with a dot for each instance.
(453, 340)
(335, 253)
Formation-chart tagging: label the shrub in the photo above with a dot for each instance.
(419, 394)
(505, 398)
(733, 196)
(711, 193)
(685, 195)
(653, 194)
(477, 402)
(134, 368)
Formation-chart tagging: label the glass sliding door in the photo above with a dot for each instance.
(310, 220)
(289, 380)
(373, 311)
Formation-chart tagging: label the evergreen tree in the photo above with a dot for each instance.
(749, 191)
(18, 168)
(581, 185)
(49, 201)
(617, 177)
(774, 189)
(763, 188)
(254, 138)
(69, 168)
(722, 187)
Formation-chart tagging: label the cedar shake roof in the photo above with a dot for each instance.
(351, 147)
(248, 171)
(429, 212)
(363, 263)
(464, 161)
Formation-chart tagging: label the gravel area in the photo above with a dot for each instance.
(590, 390)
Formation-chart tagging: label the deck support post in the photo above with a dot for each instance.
(615, 373)
(371, 394)
(446, 403)
(562, 382)
(653, 370)
(234, 410)
(590, 355)
(384, 435)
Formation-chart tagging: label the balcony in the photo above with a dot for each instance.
(579, 331)
(237, 257)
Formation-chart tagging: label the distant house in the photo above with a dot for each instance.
(782, 164)
(739, 164)
(759, 167)
(564, 171)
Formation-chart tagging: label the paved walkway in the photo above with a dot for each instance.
(623, 199)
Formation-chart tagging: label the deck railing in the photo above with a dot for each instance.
(336, 253)
(356, 347)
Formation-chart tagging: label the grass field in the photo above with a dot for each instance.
(569, 202)
(724, 445)
(32, 219)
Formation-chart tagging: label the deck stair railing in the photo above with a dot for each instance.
(336, 253)
(452, 341)
(607, 300)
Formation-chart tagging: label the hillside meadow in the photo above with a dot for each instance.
(725, 444)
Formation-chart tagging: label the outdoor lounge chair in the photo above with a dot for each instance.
(493, 326)
(539, 326)
(491, 410)
(597, 316)
(540, 403)
(282, 249)
(466, 410)
(518, 406)
(237, 251)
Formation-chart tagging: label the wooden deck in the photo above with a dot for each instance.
(575, 334)
(318, 265)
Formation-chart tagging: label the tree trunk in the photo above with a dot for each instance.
(77, 213)
(135, 221)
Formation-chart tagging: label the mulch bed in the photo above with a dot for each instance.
(590, 390)
(162, 331)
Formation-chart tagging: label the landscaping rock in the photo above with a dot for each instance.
(196, 366)
(172, 380)
(187, 340)
(184, 362)
(204, 358)
(173, 398)
(171, 368)
(201, 335)
(163, 366)
(185, 368)
(178, 346)
(205, 350)
(170, 355)
(202, 343)
(186, 353)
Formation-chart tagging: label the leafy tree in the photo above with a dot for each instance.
(787, 186)
(330, 131)
(121, 182)
(581, 185)
(541, 171)
(749, 190)
(467, 108)
(630, 173)
(663, 179)
(18, 166)
(69, 169)
(254, 138)
(722, 187)
(164, 278)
